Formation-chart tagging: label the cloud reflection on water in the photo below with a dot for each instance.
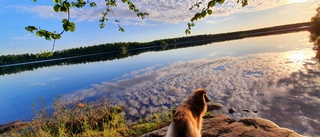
(280, 89)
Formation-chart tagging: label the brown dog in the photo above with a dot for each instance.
(187, 120)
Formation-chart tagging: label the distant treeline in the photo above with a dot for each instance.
(27, 62)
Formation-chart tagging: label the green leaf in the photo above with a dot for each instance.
(101, 25)
(57, 1)
(56, 7)
(203, 14)
(131, 7)
(55, 36)
(63, 9)
(93, 4)
(64, 21)
(121, 29)
(66, 4)
(72, 26)
(197, 16)
(65, 26)
(211, 3)
(31, 28)
(220, 1)
(187, 31)
(209, 12)
(244, 3)
(39, 34)
(193, 18)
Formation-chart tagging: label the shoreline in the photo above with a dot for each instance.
(206, 38)
(214, 124)
(115, 51)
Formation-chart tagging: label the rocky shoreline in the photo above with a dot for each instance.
(214, 125)
(222, 125)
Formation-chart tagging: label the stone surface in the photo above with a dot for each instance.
(11, 125)
(224, 126)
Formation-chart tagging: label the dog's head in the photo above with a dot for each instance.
(202, 93)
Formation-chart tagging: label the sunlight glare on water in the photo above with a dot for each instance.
(297, 56)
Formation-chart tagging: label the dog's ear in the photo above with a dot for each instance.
(203, 94)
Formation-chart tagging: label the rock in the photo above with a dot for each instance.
(232, 110)
(222, 125)
(157, 133)
(214, 106)
(11, 125)
(246, 110)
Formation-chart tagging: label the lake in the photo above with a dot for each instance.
(275, 75)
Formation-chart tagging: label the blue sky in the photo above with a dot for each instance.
(167, 19)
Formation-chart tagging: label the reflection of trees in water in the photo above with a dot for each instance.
(124, 53)
(299, 107)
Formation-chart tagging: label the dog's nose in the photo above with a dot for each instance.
(206, 98)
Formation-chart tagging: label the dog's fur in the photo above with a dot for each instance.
(187, 120)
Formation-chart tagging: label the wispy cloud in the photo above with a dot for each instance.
(45, 82)
(161, 11)
(42, 11)
(24, 37)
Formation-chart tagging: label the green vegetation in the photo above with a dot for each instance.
(64, 6)
(207, 10)
(315, 32)
(315, 28)
(86, 119)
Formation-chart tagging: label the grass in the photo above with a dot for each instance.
(153, 122)
(79, 119)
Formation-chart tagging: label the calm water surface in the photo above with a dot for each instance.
(275, 75)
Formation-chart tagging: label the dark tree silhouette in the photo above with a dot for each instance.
(315, 28)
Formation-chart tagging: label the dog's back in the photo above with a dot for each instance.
(183, 125)
(187, 120)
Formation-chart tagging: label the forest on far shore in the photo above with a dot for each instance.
(125, 49)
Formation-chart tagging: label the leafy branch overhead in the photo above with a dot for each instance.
(207, 11)
(64, 6)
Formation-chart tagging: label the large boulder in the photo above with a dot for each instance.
(222, 125)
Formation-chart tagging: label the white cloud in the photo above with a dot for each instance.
(161, 11)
